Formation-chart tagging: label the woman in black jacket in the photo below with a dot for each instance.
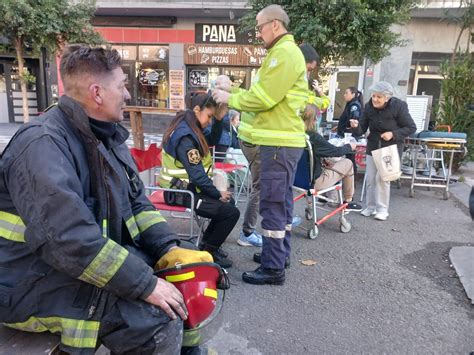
(389, 123)
(353, 111)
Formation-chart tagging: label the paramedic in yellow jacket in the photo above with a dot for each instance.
(276, 98)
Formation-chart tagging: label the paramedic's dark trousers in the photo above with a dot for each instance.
(278, 168)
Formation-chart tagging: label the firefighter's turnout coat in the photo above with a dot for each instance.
(68, 206)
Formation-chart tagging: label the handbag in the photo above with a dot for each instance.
(387, 162)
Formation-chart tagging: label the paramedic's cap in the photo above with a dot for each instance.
(275, 12)
(383, 87)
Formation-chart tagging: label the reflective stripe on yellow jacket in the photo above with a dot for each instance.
(276, 98)
(172, 167)
(321, 102)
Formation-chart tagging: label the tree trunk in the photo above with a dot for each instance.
(23, 83)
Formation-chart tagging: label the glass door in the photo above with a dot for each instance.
(339, 82)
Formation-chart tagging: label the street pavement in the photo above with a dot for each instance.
(384, 287)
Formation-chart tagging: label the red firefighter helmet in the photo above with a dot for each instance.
(199, 284)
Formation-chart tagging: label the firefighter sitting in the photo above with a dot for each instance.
(78, 237)
(187, 164)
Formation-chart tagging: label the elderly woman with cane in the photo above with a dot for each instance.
(389, 122)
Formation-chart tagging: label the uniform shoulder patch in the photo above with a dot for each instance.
(194, 157)
(354, 108)
(273, 63)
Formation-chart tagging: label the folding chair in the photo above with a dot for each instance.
(150, 161)
(230, 165)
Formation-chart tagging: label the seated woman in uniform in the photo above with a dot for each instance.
(187, 164)
(331, 173)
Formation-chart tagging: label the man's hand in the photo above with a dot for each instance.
(220, 96)
(225, 196)
(182, 256)
(354, 123)
(221, 110)
(223, 83)
(169, 299)
(353, 146)
(386, 136)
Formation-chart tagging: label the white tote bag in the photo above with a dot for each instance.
(387, 161)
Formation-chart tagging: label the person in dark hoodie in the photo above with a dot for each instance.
(187, 164)
(327, 174)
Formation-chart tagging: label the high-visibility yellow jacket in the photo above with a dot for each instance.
(321, 102)
(276, 99)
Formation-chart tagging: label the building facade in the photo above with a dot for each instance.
(430, 40)
(169, 48)
(38, 92)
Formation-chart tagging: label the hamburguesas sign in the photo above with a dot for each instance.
(221, 54)
(222, 33)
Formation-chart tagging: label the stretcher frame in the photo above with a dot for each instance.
(443, 145)
(311, 196)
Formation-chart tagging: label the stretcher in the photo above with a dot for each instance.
(428, 147)
(303, 185)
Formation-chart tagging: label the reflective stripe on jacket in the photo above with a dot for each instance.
(277, 97)
(171, 166)
(60, 247)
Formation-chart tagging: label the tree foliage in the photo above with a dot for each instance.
(349, 29)
(456, 108)
(48, 23)
(32, 24)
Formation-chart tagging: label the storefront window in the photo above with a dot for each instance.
(238, 76)
(153, 76)
(201, 78)
(147, 71)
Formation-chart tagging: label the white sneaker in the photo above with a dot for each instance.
(381, 216)
(367, 212)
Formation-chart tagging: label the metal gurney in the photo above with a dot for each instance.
(437, 144)
(304, 183)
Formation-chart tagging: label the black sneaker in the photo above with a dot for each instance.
(221, 259)
(353, 207)
(222, 253)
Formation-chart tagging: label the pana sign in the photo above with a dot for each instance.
(222, 33)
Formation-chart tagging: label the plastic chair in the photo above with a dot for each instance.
(150, 161)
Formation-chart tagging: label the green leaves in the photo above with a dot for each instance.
(48, 23)
(342, 29)
(456, 108)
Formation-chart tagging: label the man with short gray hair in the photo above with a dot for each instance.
(271, 122)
